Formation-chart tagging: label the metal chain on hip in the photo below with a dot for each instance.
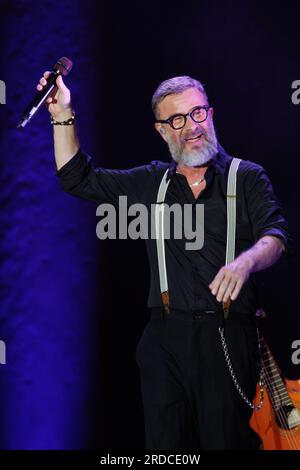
(234, 378)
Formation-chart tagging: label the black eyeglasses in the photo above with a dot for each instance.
(177, 121)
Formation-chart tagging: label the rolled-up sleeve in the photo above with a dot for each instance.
(79, 178)
(265, 211)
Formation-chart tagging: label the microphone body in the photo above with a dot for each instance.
(62, 67)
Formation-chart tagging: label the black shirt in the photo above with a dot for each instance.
(189, 271)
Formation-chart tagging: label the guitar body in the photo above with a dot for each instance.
(266, 424)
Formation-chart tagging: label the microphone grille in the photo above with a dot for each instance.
(64, 65)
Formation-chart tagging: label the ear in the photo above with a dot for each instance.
(211, 110)
(160, 130)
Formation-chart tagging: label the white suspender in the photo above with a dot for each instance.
(231, 210)
(160, 242)
(231, 220)
(159, 230)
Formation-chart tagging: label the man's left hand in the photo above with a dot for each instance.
(229, 280)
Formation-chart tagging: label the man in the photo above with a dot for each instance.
(189, 398)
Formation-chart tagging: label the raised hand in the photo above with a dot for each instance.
(59, 103)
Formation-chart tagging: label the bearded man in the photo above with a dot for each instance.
(189, 396)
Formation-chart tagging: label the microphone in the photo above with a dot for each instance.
(62, 67)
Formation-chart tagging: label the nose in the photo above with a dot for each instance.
(191, 124)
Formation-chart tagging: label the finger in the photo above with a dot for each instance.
(49, 100)
(222, 289)
(46, 74)
(236, 290)
(60, 83)
(229, 290)
(215, 284)
(41, 84)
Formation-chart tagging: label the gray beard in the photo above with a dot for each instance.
(197, 156)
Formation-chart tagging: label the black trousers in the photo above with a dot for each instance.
(189, 399)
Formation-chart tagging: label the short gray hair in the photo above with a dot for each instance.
(173, 86)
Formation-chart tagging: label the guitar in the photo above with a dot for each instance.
(278, 421)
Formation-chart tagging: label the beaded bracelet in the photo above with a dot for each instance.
(68, 122)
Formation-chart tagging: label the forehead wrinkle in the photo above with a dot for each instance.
(190, 110)
(177, 100)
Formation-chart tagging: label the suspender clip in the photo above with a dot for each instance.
(226, 307)
(166, 301)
